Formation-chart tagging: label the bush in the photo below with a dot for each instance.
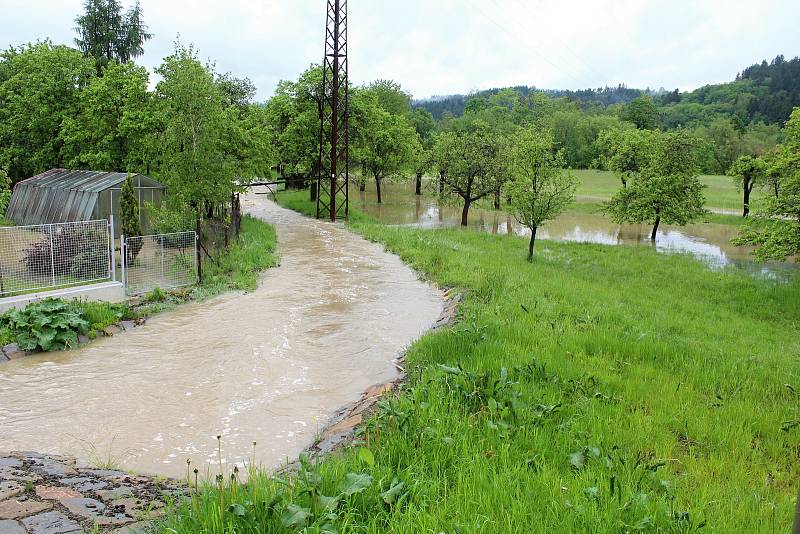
(129, 206)
(51, 324)
(77, 251)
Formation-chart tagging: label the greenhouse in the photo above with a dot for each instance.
(60, 195)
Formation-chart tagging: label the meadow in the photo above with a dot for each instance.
(596, 389)
(721, 191)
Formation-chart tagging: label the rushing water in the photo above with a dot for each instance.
(708, 241)
(270, 366)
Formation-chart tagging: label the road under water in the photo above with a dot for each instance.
(708, 242)
(270, 366)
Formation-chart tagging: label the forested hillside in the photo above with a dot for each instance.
(764, 92)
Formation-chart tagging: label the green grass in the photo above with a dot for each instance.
(721, 191)
(596, 389)
(234, 269)
(238, 267)
(102, 314)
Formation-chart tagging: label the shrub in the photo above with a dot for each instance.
(77, 251)
(129, 206)
(5, 191)
(51, 324)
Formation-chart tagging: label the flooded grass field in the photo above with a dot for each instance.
(710, 242)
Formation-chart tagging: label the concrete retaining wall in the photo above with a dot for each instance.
(107, 292)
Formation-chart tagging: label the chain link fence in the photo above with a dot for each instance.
(165, 261)
(49, 256)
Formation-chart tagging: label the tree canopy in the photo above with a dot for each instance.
(666, 189)
(106, 34)
(541, 188)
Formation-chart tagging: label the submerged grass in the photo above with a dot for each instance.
(596, 389)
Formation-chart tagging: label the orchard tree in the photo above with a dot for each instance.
(40, 86)
(625, 151)
(667, 189)
(425, 127)
(747, 172)
(541, 188)
(390, 148)
(775, 229)
(472, 155)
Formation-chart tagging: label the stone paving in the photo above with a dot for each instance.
(50, 494)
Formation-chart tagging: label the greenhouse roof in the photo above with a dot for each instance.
(61, 195)
(91, 181)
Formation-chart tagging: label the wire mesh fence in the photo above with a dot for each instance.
(48, 256)
(165, 261)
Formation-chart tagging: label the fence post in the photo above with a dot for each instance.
(163, 274)
(112, 259)
(52, 256)
(197, 272)
(123, 261)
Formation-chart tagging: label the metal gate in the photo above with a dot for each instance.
(165, 261)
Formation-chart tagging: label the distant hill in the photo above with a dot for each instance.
(605, 96)
(765, 92)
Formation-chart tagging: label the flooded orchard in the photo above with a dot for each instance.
(708, 242)
(270, 366)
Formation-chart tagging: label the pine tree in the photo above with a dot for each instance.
(105, 34)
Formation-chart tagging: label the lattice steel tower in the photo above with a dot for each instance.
(334, 113)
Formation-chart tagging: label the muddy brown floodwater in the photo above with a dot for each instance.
(270, 366)
(709, 242)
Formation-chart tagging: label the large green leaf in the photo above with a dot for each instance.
(354, 483)
(295, 516)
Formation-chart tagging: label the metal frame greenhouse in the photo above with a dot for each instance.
(60, 195)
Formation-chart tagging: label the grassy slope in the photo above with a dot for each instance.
(644, 392)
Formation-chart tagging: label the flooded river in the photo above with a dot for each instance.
(707, 241)
(270, 366)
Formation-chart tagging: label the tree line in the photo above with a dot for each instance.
(202, 134)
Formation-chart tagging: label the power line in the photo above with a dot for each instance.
(566, 45)
(534, 49)
(531, 33)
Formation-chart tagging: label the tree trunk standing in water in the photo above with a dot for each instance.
(655, 228)
(497, 198)
(378, 188)
(419, 184)
(747, 188)
(465, 211)
(530, 245)
(441, 183)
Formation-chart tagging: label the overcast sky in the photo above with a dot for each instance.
(437, 47)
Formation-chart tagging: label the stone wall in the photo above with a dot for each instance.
(49, 494)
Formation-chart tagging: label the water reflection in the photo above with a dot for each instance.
(708, 241)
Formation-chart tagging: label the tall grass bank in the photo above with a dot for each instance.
(596, 389)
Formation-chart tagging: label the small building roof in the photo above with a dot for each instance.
(61, 195)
